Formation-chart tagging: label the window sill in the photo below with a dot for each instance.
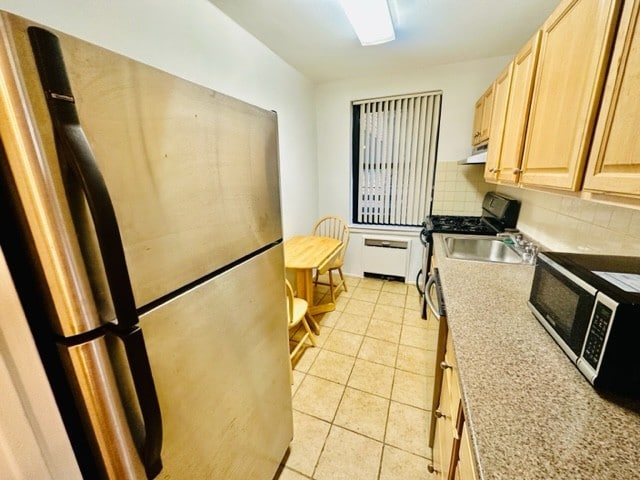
(388, 229)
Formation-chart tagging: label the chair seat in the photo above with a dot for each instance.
(299, 309)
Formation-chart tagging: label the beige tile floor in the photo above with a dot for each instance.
(361, 398)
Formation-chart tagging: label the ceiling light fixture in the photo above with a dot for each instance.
(370, 19)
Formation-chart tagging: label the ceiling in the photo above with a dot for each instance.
(315, 37)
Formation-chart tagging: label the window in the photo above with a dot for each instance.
(395, 141)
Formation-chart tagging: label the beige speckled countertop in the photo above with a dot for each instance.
(531, 413)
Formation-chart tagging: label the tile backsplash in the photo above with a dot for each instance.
(565, 223)
(459, 189)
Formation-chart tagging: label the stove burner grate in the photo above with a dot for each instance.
(458, 224)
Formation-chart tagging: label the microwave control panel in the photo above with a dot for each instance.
(597, 334)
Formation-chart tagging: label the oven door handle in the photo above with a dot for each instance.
(418, 283)
(423, 237)
(431, 282)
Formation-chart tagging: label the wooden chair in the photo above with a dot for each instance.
(334, 227)
(297, 312)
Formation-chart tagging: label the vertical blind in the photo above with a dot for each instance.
(395, 143)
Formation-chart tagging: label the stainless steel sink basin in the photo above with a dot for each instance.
(483, 249)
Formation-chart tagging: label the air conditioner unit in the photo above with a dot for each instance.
(386, 257)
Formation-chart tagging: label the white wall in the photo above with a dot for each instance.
(194, 40)
(461, 83)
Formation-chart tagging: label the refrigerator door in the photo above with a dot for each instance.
(220, 360)
(104, 415)
(192, 174)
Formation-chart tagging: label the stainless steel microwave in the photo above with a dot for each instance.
(590, 305)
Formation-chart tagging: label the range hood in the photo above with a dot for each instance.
(478, 156)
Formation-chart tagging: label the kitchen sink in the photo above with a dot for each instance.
(483, 249)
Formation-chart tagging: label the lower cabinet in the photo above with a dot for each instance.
(466, 466)
(452, 455)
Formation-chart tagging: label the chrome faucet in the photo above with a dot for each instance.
(516, 238)
(527, 249)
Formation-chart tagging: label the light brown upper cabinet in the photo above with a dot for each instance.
(614, 162)
(501, 88)
(482, 117)
(515, 125)
(574, 53)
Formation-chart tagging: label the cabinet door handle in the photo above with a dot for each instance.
(494, 170)
(444, 365)
(431, 469)
(516, 171)
(439, 414)
(476, 134)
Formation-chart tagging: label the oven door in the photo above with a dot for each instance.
(563, 303)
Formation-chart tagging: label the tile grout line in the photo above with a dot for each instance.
(355, 357)
(331, 424)
(393, 381)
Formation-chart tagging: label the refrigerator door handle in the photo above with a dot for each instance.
(136, 352)
(75, 153)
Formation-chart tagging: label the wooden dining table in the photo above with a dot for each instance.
(304, 254)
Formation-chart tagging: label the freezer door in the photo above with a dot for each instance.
(219, 355)
(192, 174)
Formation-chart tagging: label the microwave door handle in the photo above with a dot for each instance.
(75, 153)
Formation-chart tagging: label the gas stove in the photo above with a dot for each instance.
(498, 212)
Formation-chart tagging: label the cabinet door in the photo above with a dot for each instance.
(446, 435)
(450, 369)
(466, 468)
(614, 164)
(482, 117)
(515, 124)
(487, 109)
(501, 88)
(575, 49)
(438, 377)
(477, 121)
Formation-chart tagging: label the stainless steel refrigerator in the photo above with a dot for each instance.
(141, 225)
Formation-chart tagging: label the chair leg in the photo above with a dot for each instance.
(312, 337)
(344, 284)
(331, 287)
(313, 324)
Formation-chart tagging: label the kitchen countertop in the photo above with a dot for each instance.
(530, 412)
